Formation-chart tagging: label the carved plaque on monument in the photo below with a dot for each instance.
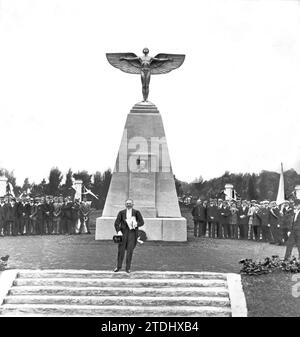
(142, 185)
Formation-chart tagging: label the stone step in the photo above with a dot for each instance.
(94, 310)
(106, 282)
(109, 274)
(119, 300)
(119, 291)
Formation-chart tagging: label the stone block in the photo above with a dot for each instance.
(105, 229)
(174, 229)
(157, 229)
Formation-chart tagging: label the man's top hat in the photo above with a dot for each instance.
(297, 202)
(117, 238)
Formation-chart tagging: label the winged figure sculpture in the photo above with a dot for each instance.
(145, 65)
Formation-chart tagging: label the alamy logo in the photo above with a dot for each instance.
(139, 154)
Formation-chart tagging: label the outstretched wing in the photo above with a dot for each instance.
(131, 67)
(163, 67)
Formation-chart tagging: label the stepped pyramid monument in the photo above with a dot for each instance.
(143, 169)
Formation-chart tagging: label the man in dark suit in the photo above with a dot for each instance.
(294, 232)
(84, 215)
(127, 223)
(212, 218)
(243, 220)
(263, 215)
(67, 216)
(20, 216)
(33, 217)
(12, 217)
(286, 219)
(199, 217)
(39, 216)
(224, 220)
(47, 208)
(27, 216)
(274, 217)
(218, 216)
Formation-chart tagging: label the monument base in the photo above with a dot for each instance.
(156, 229)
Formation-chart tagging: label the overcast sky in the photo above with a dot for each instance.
(233, 105)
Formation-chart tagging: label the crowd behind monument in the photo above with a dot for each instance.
(264, 221)
(45, 215)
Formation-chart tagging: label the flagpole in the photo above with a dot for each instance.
(280, 194)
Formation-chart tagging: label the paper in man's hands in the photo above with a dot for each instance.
(132, 224)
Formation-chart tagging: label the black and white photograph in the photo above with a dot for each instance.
(149, 161)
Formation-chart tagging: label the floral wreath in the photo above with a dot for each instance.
(269, 265)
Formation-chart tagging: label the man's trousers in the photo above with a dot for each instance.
(199, 228)
(128, 243)
(293, 240)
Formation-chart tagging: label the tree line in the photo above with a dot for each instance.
(98, 183)
(249, 186)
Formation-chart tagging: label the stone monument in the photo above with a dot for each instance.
(143, 170)
(228, 192)
(78, 189)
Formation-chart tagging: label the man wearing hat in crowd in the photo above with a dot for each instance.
(75, 215)
(234, 221)
(286, 219)
(84, 215)
(218, 222)
(225, 219)
(294, 232)
(39, 225)
(199, 217)
(20, 215)
(47, 209)
(57, 215)
(67, 219)
(212, 217)
(274, 217)
(11, 217)
(263, 215)
(33, 217)
(27, 215)
(243, 220)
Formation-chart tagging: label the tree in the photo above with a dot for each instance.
(55, 178)
(69, 179)
(197, 185)
(251, 188)
(39, 189)
(106, 178)
(178, 186)
(66, 189)
(85, 177)
(26, 185)
(97, 190)
(226, 179)
(100, 188)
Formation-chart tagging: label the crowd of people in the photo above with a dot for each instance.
(45, 215)
(244, 220)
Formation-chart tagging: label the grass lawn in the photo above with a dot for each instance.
(266, 295)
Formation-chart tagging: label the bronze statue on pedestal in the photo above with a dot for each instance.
(145, 65)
